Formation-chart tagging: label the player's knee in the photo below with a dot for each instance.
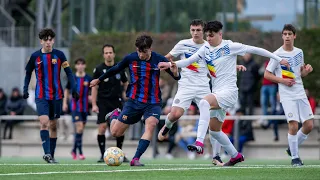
(102, 128)
(204, 103)
(293, 127)
(308, 126)
(174, 116)
(116, 133)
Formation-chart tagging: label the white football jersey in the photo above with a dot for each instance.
(195, 74)
(221, 61)
(296, 61)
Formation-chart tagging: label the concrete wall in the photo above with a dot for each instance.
(12, 64)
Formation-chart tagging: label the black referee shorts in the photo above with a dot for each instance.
(105, 106)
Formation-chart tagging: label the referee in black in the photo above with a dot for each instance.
(107, 96)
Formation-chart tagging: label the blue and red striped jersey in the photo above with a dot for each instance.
(82, 86)
(144, 77)
(47, 68)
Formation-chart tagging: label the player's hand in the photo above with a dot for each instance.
(241, 68)
(95, 109)
(94, 82)
(307, 68)
(288, 82)
(75, 95)
(25, 95)
(174, 68)
(285, 63)
(65, 107)
(163, 65)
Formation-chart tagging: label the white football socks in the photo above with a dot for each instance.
(293, 145)
(204, 119)
(301, 137)
(216, 146)
(168, 123)
(225, 142)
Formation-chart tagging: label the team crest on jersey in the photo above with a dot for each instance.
(104, 70)
(76, 118)
(124, 117)
(54, 61)
(85, 83)
(118, 76)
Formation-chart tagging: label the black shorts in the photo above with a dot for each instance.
(105, 106)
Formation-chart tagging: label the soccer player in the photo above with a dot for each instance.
(47, 63)
(194, 82)
(220, 56)
(143, 92)
(79, 108)
(292, 94)
(107, 96)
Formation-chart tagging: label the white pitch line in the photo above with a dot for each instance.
(145, 170)
(209, 165)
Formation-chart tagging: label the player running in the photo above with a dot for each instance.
(194, 82)
(143, 92)
(292, 94)
(47, 63)
(79, 108)
(220, 56)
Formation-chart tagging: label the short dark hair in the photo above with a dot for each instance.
(213, 26)
(289, 27)
(45, 33)
(197, 22)
(108, 45)
(80, 60)
(143, 42)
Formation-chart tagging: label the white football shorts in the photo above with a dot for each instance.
(297, 110)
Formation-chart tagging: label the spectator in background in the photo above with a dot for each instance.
(15, 106)
(245, 131)
(165, 90)
(3, 101)
(248, 82)
(268, 96)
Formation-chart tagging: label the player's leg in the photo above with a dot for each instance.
(102, 127)
(54, 114)
(43, 113)
(215, 127)
(151, 115)
(306, 117)
(216, 149)
(113, 115)
(291, 111)
(181, 102)
(75, 119)
(79, 133)
(205, 105)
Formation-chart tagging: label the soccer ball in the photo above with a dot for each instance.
(113, 156)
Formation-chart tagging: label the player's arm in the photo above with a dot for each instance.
(268, 74)
(125, 83)
(175, 51)
(305, 69)
(241, 49)
(71, 80)
(94, 92)
(65, 99)
(173, 70)
(29, 68)
(184, 62)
